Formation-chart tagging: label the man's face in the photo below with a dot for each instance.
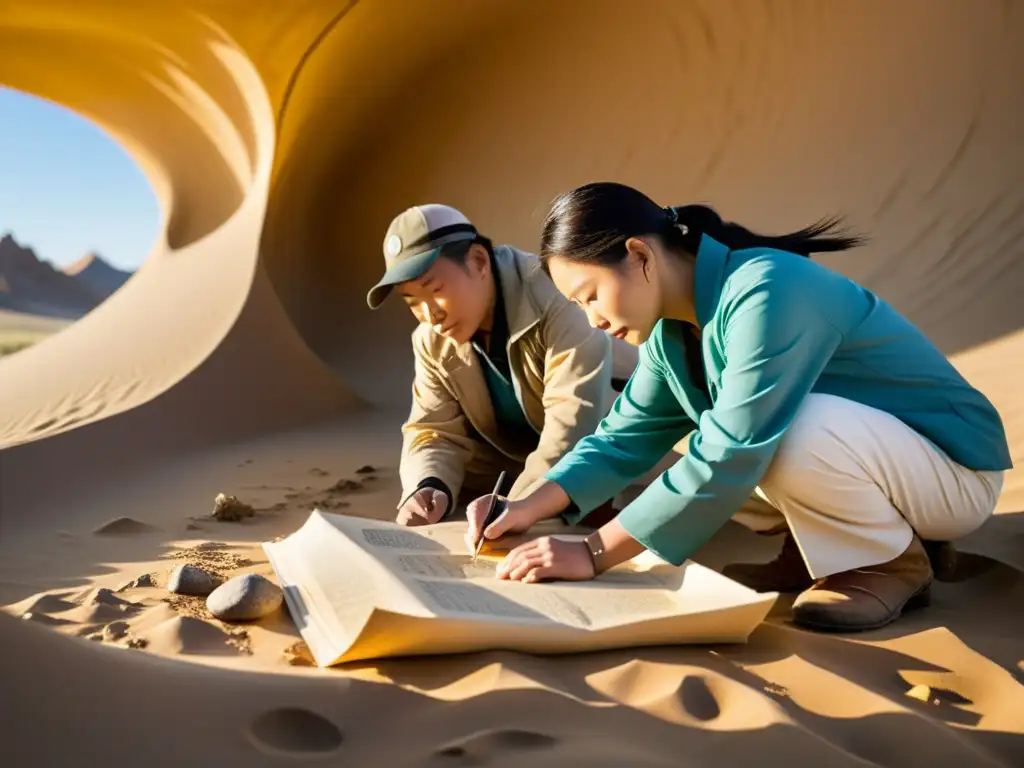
(453, 297)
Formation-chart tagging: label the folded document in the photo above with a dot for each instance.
(362, 589)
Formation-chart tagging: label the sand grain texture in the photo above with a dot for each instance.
(240, 360)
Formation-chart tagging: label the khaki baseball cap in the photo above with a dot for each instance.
(413, 242)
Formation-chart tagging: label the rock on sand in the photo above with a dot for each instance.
(229, 508)
(244, 598)
(189, 580)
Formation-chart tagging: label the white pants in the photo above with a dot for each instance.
(853, 484)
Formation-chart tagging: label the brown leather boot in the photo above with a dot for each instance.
(943, 557)
(786, 573)
(867, 598)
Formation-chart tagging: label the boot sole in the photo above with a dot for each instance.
(920, 599)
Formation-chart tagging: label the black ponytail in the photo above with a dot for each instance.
(592, 223)
(810, 239)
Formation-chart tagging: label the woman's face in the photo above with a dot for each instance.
(622, 300)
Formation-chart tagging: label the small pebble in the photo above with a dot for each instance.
(366, 469)
(115, 630)
(189, 580)
(346, 486)
(229, 508)
(145, 580)
(298, 655)
(137, 642)
(244, 598)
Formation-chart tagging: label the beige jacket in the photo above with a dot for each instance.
(561, 369)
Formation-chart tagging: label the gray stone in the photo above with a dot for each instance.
(244, 598)
(189, 580)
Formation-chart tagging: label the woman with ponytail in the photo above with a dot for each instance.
(797, 386)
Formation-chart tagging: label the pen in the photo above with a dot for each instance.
(491, 509)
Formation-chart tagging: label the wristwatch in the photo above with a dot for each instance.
(596, 549)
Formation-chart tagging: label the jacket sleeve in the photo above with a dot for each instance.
(644, 424)
(776, 343)
(577, 390)
(435, 437)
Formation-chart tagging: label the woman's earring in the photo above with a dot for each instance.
(684, 229)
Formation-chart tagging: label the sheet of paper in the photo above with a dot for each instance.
(445, 566)
(332, 586)
(365, 589)
(449, 583)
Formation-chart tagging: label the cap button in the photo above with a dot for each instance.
(394, 245)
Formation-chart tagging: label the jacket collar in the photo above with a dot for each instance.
(708, 278)
(511, 267)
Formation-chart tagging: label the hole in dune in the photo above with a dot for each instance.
(698, 699)
(77, 219)
(497, 741)
(295, 730)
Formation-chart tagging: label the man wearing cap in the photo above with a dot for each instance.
(508, 373)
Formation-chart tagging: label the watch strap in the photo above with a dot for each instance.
(596, 549)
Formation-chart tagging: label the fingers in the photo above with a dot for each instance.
(529, 565)
(412, 516)
(417, 509)
(438, 506)
(540, 573)
(476, 513)
(499, 526)
(523, 559)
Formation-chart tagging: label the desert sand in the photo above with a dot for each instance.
(281, 138)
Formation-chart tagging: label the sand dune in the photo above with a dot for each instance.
(281, 139)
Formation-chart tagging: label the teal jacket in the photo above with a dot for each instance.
(775, 326)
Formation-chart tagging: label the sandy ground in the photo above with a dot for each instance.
(19, 331)
(942, 687)
(280, 139)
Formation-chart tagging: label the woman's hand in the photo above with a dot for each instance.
(548, 558)
(512, 520)
(547, 501)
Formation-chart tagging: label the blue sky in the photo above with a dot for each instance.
(66, 187)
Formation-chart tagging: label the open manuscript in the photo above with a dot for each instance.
(362, 589)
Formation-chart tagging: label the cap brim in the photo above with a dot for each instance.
(410, 269)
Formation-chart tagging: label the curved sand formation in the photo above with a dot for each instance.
(281, 139)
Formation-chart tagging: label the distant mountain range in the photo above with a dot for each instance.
(29, 284)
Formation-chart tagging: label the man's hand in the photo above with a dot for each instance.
(547, 558)
(424, 507)
(511, 520)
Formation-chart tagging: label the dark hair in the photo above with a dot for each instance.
(458, 251)
(592, 223)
